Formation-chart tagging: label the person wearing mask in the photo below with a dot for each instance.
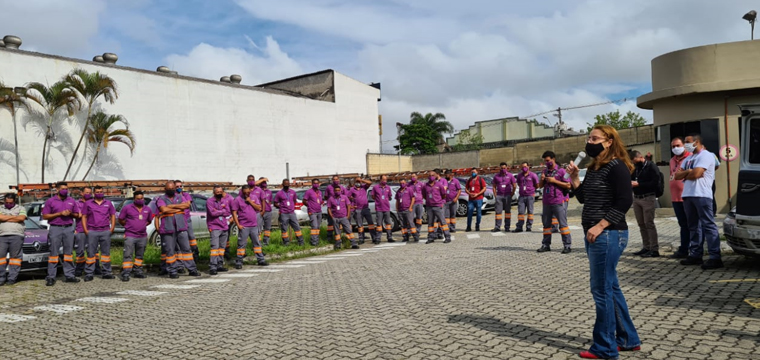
(172, 228)
(504, 185)
(190, 231)
(382, 194)
(328, 194)
(361, 212)
(419, 207)
(135, 218)
(218, 208)
(245, 209)
(698, 173)
(527, 182)
(475, 188)
(314, 200)
(80, 239)
(453, 191)
(435, 197)
(644, 181)
(338, 207)
(265, 216)
(59, 211)
(285, 201)
(555, 191)
(676, 191)
(12, 218)
(445, 184)
(606, 194)
(405, 200)
(98, 221)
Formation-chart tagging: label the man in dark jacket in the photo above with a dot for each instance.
(645, 179)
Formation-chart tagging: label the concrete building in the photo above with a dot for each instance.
(697, 90)
(197, 129)
(499, 132)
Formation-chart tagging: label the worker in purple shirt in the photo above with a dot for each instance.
(218, 208)
(453, 191)
(190, 231)
(245, 209)
(382, 194)
(80, 239)
(173, 230)
(135, 218)
(445, 184)
(314, 200)
(504, 185)
(555, 186)
(435, 197)
(285, 201)
(328, 194)
(98, 221)
(338, 207)
(527, 182)
(358, 196)
(59, 211)
(405, 200)
(419, 202)
(265, 216)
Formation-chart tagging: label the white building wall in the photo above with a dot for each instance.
(200, 131)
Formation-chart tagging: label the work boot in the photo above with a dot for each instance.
(263, 263)
(88, 278)
(212, 272)
(125, 277)
(71, 280)
(238, 266)
(196, 273)
(139, 276)
(544, 249)
(691, 261)
(641, 252)
(651, 254)
(517, 231)
(712, 264)
(567, 250)
(50, 282)
(495, 230)
(108, 277)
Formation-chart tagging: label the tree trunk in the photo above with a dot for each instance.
(44, 147)
(15, 141)
(74, 155)
(94, 158)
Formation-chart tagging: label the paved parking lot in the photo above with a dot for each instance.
(482, 296)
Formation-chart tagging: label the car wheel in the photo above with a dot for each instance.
(462, 208)
(396, 222)
(424, 216)
(155, 239)
(233, 231)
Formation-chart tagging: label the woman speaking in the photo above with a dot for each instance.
(610, 195)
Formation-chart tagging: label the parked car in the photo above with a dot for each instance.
(34, 212)
(35, 250)
(300, 209)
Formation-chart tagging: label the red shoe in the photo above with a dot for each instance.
(631, 349)
(588, 355)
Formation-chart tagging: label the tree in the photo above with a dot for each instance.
(423, 133)
(13, 101)
(618, 121)
(468, 141)
(51, 100)
(100, 134)
(89, 86)
(436, 122)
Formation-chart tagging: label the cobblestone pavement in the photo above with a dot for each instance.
(481, 296)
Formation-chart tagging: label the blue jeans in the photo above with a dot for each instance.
(613, 326)
(474, 205)
(682, 223)
(699, 216)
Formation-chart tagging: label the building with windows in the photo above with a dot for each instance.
(502, 132)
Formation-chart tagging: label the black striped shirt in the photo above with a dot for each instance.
(606, 194)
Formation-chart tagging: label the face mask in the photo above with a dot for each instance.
(246, 195)
(525, 169)
(474, 174)
(218, 196)
(678, 151)
(87, 196)
(337, 194)
(170, 193)
(63, 193)
(383, 183)
(594, 150)
(414, 180)
(336, 182)
(357, 185)
(100, 196)
(9, 205)
(432, 178)
(139, 202)
(690, 147)
(179, 190)
(252, 183)
(403, 186)
(315, 186)
(286, 188)
(263, 185)
(504, 171)
(549, 164)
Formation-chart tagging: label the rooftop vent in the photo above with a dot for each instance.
(98, 59)
(12, 42)
(2, 43)
(225, 79)
(236, 79)
(164, 69)
(110, 58)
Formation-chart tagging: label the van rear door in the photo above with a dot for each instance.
(748, 196)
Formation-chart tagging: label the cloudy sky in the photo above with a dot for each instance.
(471, 60)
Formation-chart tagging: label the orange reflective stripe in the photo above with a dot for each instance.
(453, 221)
(68, 258)
(350, 236)
(498, 216)
(126, 265)
(171, 260)
(91, 260)
(267, 233)
(418, 221)
(361, 228)
(521, 217)
(241, 252)
(298, 233)
(403, 231)
(14, 262)
(53, 259)
(138, 262)
(414, 230)
(315, 232)
(81, 259)
(508, 215)
(194, 242)
(431, 229)
(105, 258)
(388, 227)
(445, 228)
(337, 237)
(330, 228)
(3, 261)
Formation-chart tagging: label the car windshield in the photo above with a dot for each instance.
(31, 225)
(34, 209)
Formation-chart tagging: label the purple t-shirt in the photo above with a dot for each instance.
(187, 197)
(452, 190)
(338, 206)
(358, 196)
(217, 212)
(286, 201)
(331, 191)
(434, 194)
(503, 184)
(266, 198)
(553, 195)
(417, 186)
(382, 196)
(313, 200)
(80, 209)
(98, 215)
(56, 205)
(136, 220)
(172, 223)
(245, 212)
(527, 183)
(405, 197)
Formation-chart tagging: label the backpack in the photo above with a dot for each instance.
(660, 181)
(483, 184)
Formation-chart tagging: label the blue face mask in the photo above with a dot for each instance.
(179, 190)
(474, 174)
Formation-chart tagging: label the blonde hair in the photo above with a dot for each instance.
(616, 151)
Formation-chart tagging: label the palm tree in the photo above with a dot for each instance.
(89, 86)
(436, 122)
(52, 100)
(13, 100)
(99, 133)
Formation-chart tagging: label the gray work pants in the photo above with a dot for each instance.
(286, 222)
(503, 205)
(95, 240)
(134, 249)
(407, 226)
(243, 236)
(435, 214)
(359, 217)
(384, 221)
(645, 212)
(218, 244)
(343, 226)
(80, 244)
(184, 256)
(10, 245)
(450, 212)
(58, 236)
(560, 213)
(193, 240)
(265, 226)
(315, 221)
(525, 205)
(419, 210)
(330, 226)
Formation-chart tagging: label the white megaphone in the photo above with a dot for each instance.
(581, 156)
